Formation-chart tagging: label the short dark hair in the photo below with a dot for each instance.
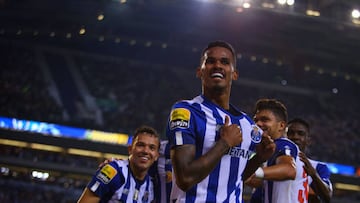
(146, 129)
(273, 105)
(301, 121)
(223, 44)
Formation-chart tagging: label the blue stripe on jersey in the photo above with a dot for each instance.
(202, 131)
(323, 171)
(214, 176)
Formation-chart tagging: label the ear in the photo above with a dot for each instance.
(235, 75)
(198, 72)
(282, 125)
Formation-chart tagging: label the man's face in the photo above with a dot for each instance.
(268, 122)
(144, 151)
(298, 133)
(217, 68)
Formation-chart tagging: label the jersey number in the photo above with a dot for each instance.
(305, 192)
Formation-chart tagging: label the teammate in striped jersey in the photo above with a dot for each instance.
(161, 170)
(318, 172)
(127, 180)
(285, 179)
(213, 143)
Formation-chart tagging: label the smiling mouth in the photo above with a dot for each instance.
(217, 75)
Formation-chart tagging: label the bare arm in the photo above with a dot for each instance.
(190, 171)
(321, 188)
(88, 197)
(284, 169)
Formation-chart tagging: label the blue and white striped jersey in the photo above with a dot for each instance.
(197, 122)
(323, 171)
(294, 191)
(115, 183)
(163, 173)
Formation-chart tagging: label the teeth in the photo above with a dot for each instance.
(217, 75)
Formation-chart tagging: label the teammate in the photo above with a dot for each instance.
(161, 170)
(213, 143)
(285, 179)
(318, 172)
(127, 180)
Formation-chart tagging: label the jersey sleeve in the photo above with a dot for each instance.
(324, 173)
(286, 147)
(181, 124)
(106, 180)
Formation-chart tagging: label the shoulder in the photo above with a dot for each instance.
(320, 167)
(287, 147)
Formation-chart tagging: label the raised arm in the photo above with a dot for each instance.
(264, 151)
(320, 188)
(190, 171)
(88, 197)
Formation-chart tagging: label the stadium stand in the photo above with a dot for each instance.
(120, 74)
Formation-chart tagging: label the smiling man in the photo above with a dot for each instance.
(127, 180)
(212, 141)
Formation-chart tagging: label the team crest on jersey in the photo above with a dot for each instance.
(179, 118)
(256, 134)
(145, 197)
(106, 174)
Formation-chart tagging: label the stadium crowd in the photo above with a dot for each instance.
(129, 93)
(144, 95)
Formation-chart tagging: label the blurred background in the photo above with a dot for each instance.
(78, 76)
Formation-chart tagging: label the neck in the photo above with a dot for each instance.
(137, 173)
(221, 98)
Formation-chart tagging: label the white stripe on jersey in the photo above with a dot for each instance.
(228, 175)
(179, 139)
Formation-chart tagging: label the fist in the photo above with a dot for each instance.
(231, 134)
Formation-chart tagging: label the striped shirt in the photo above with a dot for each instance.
(197, 122)
(162, 171)
(294, 191)
(323, 171)
(114, 183)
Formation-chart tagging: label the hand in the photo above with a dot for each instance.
(231, 134)
(266, 148)
(106, 161)
(307, 165)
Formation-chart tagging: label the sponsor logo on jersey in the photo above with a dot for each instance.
(106, 174)
(238, 152)
(256, 134)
(179, 118)
(168, 176)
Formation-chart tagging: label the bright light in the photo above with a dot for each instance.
(355, 13)
(290, 2)
(100, 17)
(246, 5)
(312, 13)
(82, 31)
(282, 2)
(40, 175)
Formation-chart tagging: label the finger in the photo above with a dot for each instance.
(227, 120)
